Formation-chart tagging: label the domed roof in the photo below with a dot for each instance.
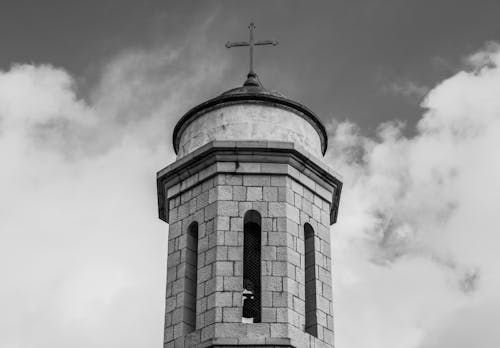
(252, 92)
(252, 86)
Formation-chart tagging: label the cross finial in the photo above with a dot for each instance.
(251, 43)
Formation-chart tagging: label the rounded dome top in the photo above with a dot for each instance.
(254, 96)
(253, 86)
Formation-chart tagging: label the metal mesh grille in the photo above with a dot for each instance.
(251, 271)
(311, 326)
(191, 277)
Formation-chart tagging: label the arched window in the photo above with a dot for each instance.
(251, 267)
(310, 281)
(191, 277)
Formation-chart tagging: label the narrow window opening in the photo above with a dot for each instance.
(191, 277)
(311, 326)
(251, 267)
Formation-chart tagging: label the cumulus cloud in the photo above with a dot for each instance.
(82, 252)
(416, 242)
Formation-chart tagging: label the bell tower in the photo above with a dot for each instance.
(249, 204)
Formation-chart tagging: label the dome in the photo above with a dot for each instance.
(250, 112)
(252, 86)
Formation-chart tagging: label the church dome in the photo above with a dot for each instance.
(250, 112)
(252, 86)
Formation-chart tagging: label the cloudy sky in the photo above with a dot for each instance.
(409, 92)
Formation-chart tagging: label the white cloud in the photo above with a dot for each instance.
(82, 251)
(416, 242)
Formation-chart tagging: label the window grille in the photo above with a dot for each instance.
(191, 277)
(252, 267)
(311, 326)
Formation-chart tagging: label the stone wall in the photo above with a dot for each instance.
(219, 203)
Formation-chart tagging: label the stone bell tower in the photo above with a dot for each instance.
(249, 204)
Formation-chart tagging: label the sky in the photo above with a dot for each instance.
(89, 95)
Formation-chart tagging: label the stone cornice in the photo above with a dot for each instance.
(248, 157)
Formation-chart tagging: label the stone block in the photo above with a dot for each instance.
(279, 268)
(227, 208)
(207, 332)
(268, 315)
(192, 206)
(230, 330)
(279, 299)
(271, 283)
(231, 314)
(297, 200)
(206, 172)
(277, 209)
(226, 166)
(224, 193)
(210, 211)
(210, 286)
(186, 196)
(238, 268)
(257, 180)
(261, 207)
(281, 253)
(316, 213)
(243, 207)
(270, 194)
(307, 207)
(202, 200)
(298, 305)
(174, 190)
(222, 223)
(279, 330)
(221, 253)
(267, 299)
(292, 213)
(281, 315)
(212, 195)
(174, 230)
(277, 238)
(224, 268)
(247, 167)
(236, 224)
(258, 330)
(239, 193)
(204, 273)
(308, 195)
(278, 180)
(297, 187)
(267, 224)
(210, 255)
(207, 184)
(233, 283)
(282, 192)
(235, 253)
(232, 179)
(275, 168)
(268, 253)
(254, 193)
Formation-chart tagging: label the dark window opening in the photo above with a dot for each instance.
(191, 278)
(251, 267)
(311, 326)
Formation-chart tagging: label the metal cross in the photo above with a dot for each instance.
(251, 43)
